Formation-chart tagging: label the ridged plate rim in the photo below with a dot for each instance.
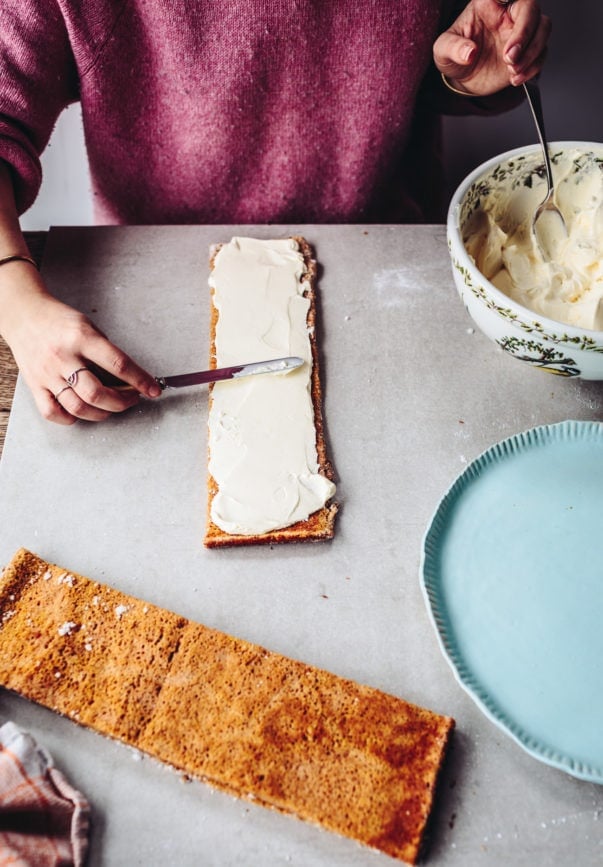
(543, 435)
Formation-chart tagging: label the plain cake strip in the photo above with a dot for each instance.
(357, 761)
(275, 425)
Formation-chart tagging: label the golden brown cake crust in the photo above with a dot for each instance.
(348, 757)
(321, 524)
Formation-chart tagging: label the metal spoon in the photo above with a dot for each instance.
(548, 225)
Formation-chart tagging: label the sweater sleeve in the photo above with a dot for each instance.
(38, 79)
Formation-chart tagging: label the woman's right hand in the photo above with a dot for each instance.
(493, 44)
(51, 343)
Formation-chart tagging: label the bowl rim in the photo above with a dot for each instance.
(453, 232)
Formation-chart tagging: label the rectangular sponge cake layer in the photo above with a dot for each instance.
(355, 760)
(320, 524)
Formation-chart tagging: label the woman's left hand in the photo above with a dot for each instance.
(492, 45)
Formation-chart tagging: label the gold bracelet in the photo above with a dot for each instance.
(17, 257)
(453, 88)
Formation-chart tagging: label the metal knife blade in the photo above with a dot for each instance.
(273, 365)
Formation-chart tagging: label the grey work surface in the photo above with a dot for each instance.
(412, 393)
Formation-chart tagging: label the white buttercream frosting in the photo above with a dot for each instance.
(262, 437)
(569, 286)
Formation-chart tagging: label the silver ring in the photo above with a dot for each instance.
(72, 378)
(61, 390)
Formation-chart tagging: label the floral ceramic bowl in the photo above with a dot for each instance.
(535, 339)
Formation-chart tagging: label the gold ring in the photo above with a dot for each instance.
(72, 378)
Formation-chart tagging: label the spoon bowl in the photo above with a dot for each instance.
(548, 224)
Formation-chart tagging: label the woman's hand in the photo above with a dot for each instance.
(57, 348)
(492, 45)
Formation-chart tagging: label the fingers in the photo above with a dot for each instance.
(79, 392)
(454, 54)
(105, 356)
(81, 395)
(50, 408)
(525, 48)
(493, 44)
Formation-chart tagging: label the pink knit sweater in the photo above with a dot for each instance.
(228, 111)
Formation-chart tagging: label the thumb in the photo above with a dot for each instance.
(453, 54)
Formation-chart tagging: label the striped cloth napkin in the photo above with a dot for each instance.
(44, 822)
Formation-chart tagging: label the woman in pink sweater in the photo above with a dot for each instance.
(281, 111)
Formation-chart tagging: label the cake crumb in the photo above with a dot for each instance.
(120, 610)
(67, 627)
(65, 578)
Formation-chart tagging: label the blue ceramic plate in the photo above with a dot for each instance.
(512, 571)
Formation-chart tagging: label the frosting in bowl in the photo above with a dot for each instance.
(568, 287)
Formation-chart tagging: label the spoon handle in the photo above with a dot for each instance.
(532, 92)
